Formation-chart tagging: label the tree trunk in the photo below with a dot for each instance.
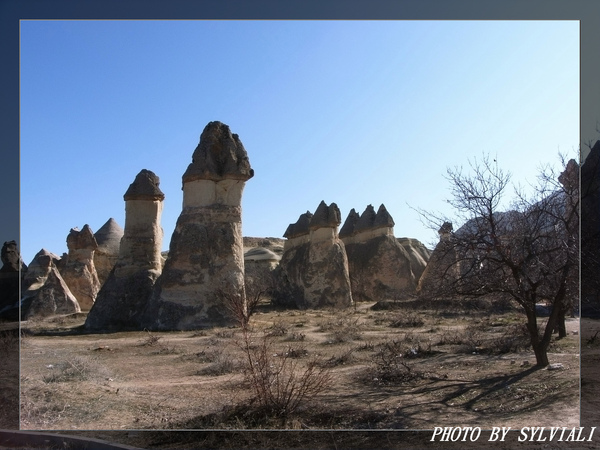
(539, 346)
(562, 326)
(541, 355)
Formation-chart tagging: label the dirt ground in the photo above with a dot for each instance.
(392, 368)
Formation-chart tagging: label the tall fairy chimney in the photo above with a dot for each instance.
(205, 266)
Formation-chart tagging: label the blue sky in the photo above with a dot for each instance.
(352, 112)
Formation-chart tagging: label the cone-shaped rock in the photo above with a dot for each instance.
(108, 238)
(44, 292)
(125, 294)
(347, 229)
(443, 267)
(79, 271)
(205, 265)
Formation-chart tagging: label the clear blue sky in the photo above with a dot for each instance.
(352, 112)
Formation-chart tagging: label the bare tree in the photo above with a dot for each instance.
(528, 254)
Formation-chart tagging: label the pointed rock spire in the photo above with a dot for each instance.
(350, 223)
(300, 228)
(383, 218)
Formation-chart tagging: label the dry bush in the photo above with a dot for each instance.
(221, 364)
(514, 339)
(149, 340)
(298, 351)
(295, 337)
(225, 334)
(342, 330)
(78, 368)
(390, 365)
(408, 320)
(346, 357)
(279, 383)
(278, 328)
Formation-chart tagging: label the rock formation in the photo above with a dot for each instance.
(79, 271)
(313, 272)
(125, 294)
(205, 265)
(380, 267)
(443, 267)
(108, 238)
(417, 252)
(44, 292)
(10, 275)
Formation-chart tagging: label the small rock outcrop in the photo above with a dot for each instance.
(205, 264)
(380, 267)
(313, 271)
(125, 294)
(108, 238)
(11, 274)
(418, 253)
(79, 271)
(443, 268)
(44, 292)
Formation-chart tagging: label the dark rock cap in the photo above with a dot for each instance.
(144, 187)
(325, 216)
(300, 228)
(109, 235)
(10, 257)
(83, 239)
(446, 228)
(219, 155)
(383, 218)
(366, 220)
(350, 223)
(569, 178)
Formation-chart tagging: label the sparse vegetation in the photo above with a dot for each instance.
(276, 374)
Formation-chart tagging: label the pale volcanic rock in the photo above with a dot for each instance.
(44, 292)
(380, 267)
(125, 294)
(108, 238)
(418, 253)
(442, 268)
(206, 252)
(79, 271)
(313, 272)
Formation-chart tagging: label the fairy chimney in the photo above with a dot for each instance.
(313, 271)
(205, 265)
(125, 294)
(78, 270)
(108, 238)
(380, 267)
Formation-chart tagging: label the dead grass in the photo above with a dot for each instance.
(439, 367)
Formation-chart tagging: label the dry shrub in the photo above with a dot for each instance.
(408, 320)
(296, 351)
(221, 364)
(149, 340)
(277, 329)
(279, 383)
(78, 368)
(514, 339)
(295, 337)
(390, 364)
(342, 330)
(342, 359)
